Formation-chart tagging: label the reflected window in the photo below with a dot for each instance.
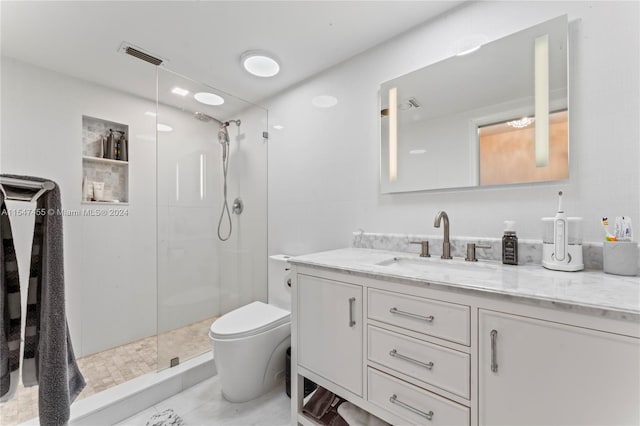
(507, 151)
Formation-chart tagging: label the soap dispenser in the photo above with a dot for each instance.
(509, 244)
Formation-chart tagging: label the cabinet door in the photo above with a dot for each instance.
(330, 330)
(544, 373)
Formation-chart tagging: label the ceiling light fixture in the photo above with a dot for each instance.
(179, 91)
(208, 98)
(522, 123)
(150, 114)
(324, 101)
(278, 126)
(260, 63)
(164, 128)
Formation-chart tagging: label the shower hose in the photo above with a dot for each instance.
(225, 205)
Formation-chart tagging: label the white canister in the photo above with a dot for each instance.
(620, 257)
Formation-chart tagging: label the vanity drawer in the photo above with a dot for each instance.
(415, 405)
(429, 363)
(440, 319)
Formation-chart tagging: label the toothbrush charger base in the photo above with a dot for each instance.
(575, 258)
(566, 267)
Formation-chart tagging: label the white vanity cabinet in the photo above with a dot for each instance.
(330, 313)
(535, 372)
(415, 352)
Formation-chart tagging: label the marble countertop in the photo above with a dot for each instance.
(587, 291)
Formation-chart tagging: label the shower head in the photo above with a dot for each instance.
(203, 117)
(223, 134)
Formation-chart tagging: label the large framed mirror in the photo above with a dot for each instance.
(496, 114)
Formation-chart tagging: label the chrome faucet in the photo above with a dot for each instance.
(446, 245)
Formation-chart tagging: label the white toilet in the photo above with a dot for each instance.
(249, 343)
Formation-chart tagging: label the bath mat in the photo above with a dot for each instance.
(167, 418)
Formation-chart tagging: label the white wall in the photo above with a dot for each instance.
(110, 262)
(323, 166)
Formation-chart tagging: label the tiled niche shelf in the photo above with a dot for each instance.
(113, 173)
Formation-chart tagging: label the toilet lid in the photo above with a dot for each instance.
(248, 320)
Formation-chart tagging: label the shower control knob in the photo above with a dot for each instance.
(238, 206)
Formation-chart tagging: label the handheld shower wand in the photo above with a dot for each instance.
(223, 138)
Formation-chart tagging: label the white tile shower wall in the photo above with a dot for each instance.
(188, 200)
(244, 278)
(323, 165)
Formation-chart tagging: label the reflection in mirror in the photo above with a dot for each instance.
(507, 151)
(481, 118)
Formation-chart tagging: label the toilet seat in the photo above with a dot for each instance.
(248, 320)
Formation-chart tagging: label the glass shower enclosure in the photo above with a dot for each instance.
(211, 251)
(145, 271)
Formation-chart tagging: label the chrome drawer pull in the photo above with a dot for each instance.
(494, 355)
(395, 354)
(410, 315)
(352, 321)
(394, 400)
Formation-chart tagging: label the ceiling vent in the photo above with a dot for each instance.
(140, 53)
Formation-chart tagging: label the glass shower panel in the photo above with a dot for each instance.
(200, 275)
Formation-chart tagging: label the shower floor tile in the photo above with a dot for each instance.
(114, 366)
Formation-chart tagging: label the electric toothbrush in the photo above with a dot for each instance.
(560, 233)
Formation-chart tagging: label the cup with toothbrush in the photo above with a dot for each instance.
(620, 252)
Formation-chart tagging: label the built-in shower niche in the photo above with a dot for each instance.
(113, 173)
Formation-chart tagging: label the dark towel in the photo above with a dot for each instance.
(323, 406)
(49, 360)
(9, 304)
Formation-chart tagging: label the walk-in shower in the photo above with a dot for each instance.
(146, 277)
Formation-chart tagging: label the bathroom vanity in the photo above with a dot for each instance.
(431, 341)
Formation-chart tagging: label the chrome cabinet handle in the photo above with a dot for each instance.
(395, 354)
(396, 311)
(494, 355)
(352, 321)
(394, 400)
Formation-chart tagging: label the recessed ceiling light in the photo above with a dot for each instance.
(278, 126)
(417, 151)
(260, 63)
(164, 128)
(324, 101)
(208, 98)
(150, 114)
(179, 91)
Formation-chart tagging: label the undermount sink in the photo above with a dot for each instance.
(436, 264)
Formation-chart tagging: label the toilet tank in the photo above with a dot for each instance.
(279, 272)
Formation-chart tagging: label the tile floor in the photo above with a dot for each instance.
(111, 367)
(203, 405)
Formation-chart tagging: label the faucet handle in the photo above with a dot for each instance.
(471, 251)
(424, 252)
